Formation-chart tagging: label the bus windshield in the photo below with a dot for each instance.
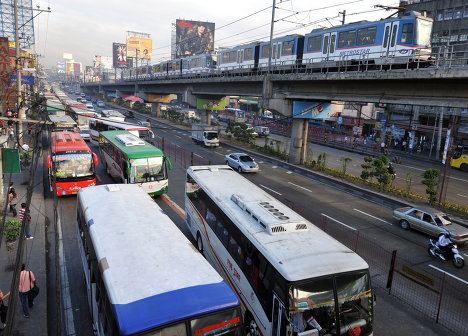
(147, 169)
(313, 304)
(223, 323)
(73, 165)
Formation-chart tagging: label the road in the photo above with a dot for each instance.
(354, 221)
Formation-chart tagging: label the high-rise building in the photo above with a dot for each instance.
(25, 21)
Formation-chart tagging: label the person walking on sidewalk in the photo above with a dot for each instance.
(27, 281)
(27, 222)
(12, 199)
(3, 308)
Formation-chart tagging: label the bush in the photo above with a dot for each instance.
(12, 230)
(431, 177)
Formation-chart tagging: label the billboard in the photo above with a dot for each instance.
(106, 62)
(119, 55)
(313, 110)
(211, 104)
(194, 38)
(139, 47)
(67, 56)
(97, 61)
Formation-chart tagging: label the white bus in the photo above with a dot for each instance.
(98, 125)
(143, 276)
(289, 275)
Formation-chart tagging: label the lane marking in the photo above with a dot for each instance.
(466, 255)
(453, 276)
(261, 185)
(289, 172)
(462, 195)
(261, 161)
(173, 205)
(198, 155)
(300, 187)
(337, 221)
(177, 136)
(364, 213)
(274, 167)
(219, 153)
(455, 178)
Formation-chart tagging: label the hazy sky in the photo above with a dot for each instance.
(88, 27)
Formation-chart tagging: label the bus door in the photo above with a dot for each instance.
(389, 40)
(278, 325)
(329, 44)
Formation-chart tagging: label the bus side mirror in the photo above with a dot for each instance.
(95, 160)
(49, 162)
(169, 164)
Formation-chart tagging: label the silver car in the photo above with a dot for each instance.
(242, 162)
(430, 221)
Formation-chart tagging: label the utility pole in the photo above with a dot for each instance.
(272, 25)
(21, 112)
(344, 16)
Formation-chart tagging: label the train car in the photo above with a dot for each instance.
(144, 72)
(243, 58)
(159, 70)
(174, 68)
(397, 40)
(287, 52)
(198, 65)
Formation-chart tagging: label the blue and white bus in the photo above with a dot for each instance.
(143, 276)
(290, 276)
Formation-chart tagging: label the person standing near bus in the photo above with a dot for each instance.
(12, 199)
(27, 281)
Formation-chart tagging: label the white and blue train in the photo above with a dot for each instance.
(405, 39)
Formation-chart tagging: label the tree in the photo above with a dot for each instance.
(344, 163)
(367, 168)
(431, 179)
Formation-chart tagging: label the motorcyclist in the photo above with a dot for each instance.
(391, 169)
(444, 244)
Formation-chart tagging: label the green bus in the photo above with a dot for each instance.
(129, 159)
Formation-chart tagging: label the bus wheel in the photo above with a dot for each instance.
(464, 167)
(199, 243)
(250, 326)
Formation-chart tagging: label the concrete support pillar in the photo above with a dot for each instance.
(414, 121)
(296, 148)
(205, 117)
(156, 109)
(439, 132)
(305, 134)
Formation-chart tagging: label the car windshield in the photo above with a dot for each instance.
(84, 131)
(442, 219)
(245, 158)
(147, 169)
(211, 135)
(73, 165)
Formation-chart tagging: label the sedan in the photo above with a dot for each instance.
(431, 222)
(242, 162)
(100, 103)
(144, 123)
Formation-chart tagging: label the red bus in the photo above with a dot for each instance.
(71, 164)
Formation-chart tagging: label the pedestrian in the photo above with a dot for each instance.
(27, 281)
(12, 199)
(25, 147)
(11, 133)
(382, 147)
(12, 185)
(3, 309)
(27, 222)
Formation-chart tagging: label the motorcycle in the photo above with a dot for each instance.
(435, 252)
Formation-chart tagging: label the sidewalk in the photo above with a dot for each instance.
(34, 257)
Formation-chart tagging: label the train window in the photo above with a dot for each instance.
(248, 54)
(325, 45)
(274, 51)
(314, 43)
(288, 48)
(366, 36)
(394, 33)
(347, 39)
(332, 44)
(265, 51)
(385, 44)
(225, 58)
(407, 33)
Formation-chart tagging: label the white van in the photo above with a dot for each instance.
(262, 130)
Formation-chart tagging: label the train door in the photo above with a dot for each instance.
(329, 47)
(240, 56)
(275, 57)
(389, 41)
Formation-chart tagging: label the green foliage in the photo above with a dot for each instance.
(431, 179)
(461, 209)
(377, 167)
(409, 182)
(175, 116)
(322, 160)
(240, 132)
(344, 163)
(12, 230)
(25, 157)
(141, 107)
(367, 168)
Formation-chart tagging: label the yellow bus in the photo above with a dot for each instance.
(460, 158)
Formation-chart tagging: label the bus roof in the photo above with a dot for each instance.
(123, 125)
(298, 249)
(67, 141)
(142, 150)
(61, 119)
(152, 272)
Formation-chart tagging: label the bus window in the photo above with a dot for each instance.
(211, 325)
(177, 329)
(147, 169)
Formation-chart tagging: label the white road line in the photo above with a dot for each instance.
(177, 136)
(261, 185)
(274, 167)
(260, 161)
(466, 255)
(289, 172)
(364, 213)
(335, 220)
(163, 130)
(300, 187)
(219, 153)
(453, 276)
(462, 195)
(198, 155)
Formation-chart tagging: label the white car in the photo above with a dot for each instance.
(100, 103)
(242, 162)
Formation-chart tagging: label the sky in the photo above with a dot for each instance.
(87, 27)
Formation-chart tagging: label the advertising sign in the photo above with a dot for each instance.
(194, 38)
(313, 110)
(67, 56)
(97, 61)
(139, 47)
(25, 79)
(106, 62)
(5, 69)
(211, 105)
(152, 98)
(119, 55)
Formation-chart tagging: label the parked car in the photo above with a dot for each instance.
(242, 162)
(431, 222)
(93, 100)
(262, 130)
(100, 103)
(144, 123)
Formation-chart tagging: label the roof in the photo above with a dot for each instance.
(153, 274)
(132, 152)
(61, 119)
(297, 248)
(68, 141)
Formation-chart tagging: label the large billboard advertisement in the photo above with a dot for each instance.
(313, 110)
(211, 104)
(119, 55)
(139, 47)
(194, 38)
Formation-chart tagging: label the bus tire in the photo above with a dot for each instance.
(199, 243)
(464, 167)
(250, 326)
